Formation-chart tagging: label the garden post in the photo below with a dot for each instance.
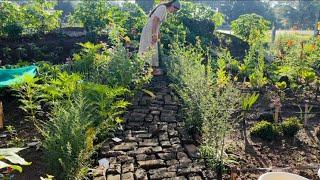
(317, 25)
(277, 108)
(306, 107)
(273, 33)
(205, 63)
(233, 174)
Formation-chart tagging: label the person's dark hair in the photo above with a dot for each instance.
(167, 4)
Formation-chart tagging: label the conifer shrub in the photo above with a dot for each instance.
(290, 126)
(265, 130)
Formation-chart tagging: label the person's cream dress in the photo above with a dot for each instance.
(146, 35)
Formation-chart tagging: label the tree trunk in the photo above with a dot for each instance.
(316, 28)
(146, 5)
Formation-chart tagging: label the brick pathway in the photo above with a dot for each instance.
(155, 145)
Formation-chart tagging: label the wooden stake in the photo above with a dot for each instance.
(1, 115)
(277, 106)
(233, 175)
(306, 108)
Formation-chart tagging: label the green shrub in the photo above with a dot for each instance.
(290, 126)
(11, 16)
(265, 130)
(93, 15)
(185, 24)
(250, 27)
(13, 30)
(100, 15)
(39, 16)
(136, 20)
(113, 67)
(189, 80)
(207, 106)
(33, 17)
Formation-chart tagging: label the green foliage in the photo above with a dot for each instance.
(40, 18)
(291, 126)
(185, 24)
(93, 15)
(11, 18)
(104, 104)
(253, 66)
(295, 59)
(14, 140)
(249, 100)
(30, 96)
(85, 100)
(135, 21)
(265, 130)
(9, 155)
(223, 77)
(60, 87)
(189, 80)
(13, 30)
(30, 18)
(81, 112)
(257, 78)
(281, 85)
(250, 27)
(208, 107)
(68, 138)
(113, 66)
(89, 61)
(100, 15)
(218, 18)
(217, 109)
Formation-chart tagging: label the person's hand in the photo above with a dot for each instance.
(154, 38)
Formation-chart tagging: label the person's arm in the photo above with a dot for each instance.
(155, 25)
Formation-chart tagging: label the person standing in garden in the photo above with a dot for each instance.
(150, 35)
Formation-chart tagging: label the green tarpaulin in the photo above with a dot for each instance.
(9, 77)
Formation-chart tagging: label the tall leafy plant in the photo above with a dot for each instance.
(68, 138)
(189, 80)
(217, 110)
(29, 94)
(247, 103)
